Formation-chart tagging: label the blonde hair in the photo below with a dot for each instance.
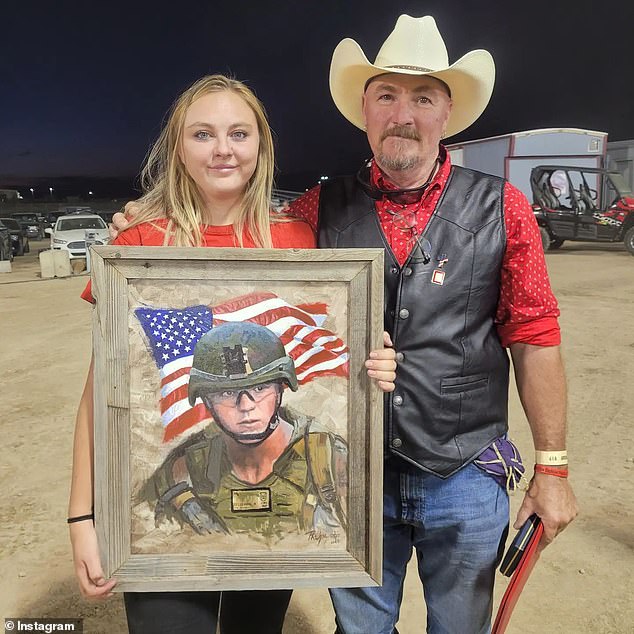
(170, 192)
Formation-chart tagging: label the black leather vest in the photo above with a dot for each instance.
(451, 394)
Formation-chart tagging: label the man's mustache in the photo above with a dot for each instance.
(403, 131)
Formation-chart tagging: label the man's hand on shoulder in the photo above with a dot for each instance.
(120, 221)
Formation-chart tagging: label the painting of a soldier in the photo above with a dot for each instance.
(260, 468)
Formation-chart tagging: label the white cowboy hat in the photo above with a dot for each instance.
(415, 47)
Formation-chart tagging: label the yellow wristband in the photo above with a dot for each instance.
(551, 458)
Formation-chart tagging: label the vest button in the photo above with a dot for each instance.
(396, 443)
(403, 313)
(397, 400)
(393, 270)
(407, 271)
(391, 313)
(400, 356)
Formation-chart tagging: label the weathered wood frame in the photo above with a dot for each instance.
(360, 564)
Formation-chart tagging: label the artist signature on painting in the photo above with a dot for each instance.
(321, 537)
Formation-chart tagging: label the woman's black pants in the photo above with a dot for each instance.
(260, 611)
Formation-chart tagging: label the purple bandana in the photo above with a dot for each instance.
(502, 460)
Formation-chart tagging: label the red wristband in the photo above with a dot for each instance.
(546, 470)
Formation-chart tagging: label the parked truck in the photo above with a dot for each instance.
(561, 171)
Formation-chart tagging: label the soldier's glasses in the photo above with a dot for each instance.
(232, 397)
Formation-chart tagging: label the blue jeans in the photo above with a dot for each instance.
(458, 527)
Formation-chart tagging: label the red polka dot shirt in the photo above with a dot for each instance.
(527, 310)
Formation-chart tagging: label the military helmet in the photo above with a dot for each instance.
(239, 355)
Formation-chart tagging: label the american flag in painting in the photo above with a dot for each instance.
(174, 332)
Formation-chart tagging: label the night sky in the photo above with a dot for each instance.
(84, 85)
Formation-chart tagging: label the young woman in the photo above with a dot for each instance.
(207, 183)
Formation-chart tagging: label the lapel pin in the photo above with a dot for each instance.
(438, 277)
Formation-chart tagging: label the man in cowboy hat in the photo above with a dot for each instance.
(465, 278)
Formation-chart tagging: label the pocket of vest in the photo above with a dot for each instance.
(453, 385)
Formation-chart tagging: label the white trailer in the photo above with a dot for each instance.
(513, 156)
(621, 158)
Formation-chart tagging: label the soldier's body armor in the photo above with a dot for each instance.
(281, 507)
(303, 482)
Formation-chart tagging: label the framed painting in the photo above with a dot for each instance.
(238, 439)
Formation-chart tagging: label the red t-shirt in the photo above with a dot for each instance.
(295, 234)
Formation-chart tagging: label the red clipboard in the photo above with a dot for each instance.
(518, 581)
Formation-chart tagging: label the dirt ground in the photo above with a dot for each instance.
(583, 583)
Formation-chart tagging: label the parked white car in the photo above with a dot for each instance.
(69, 233)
